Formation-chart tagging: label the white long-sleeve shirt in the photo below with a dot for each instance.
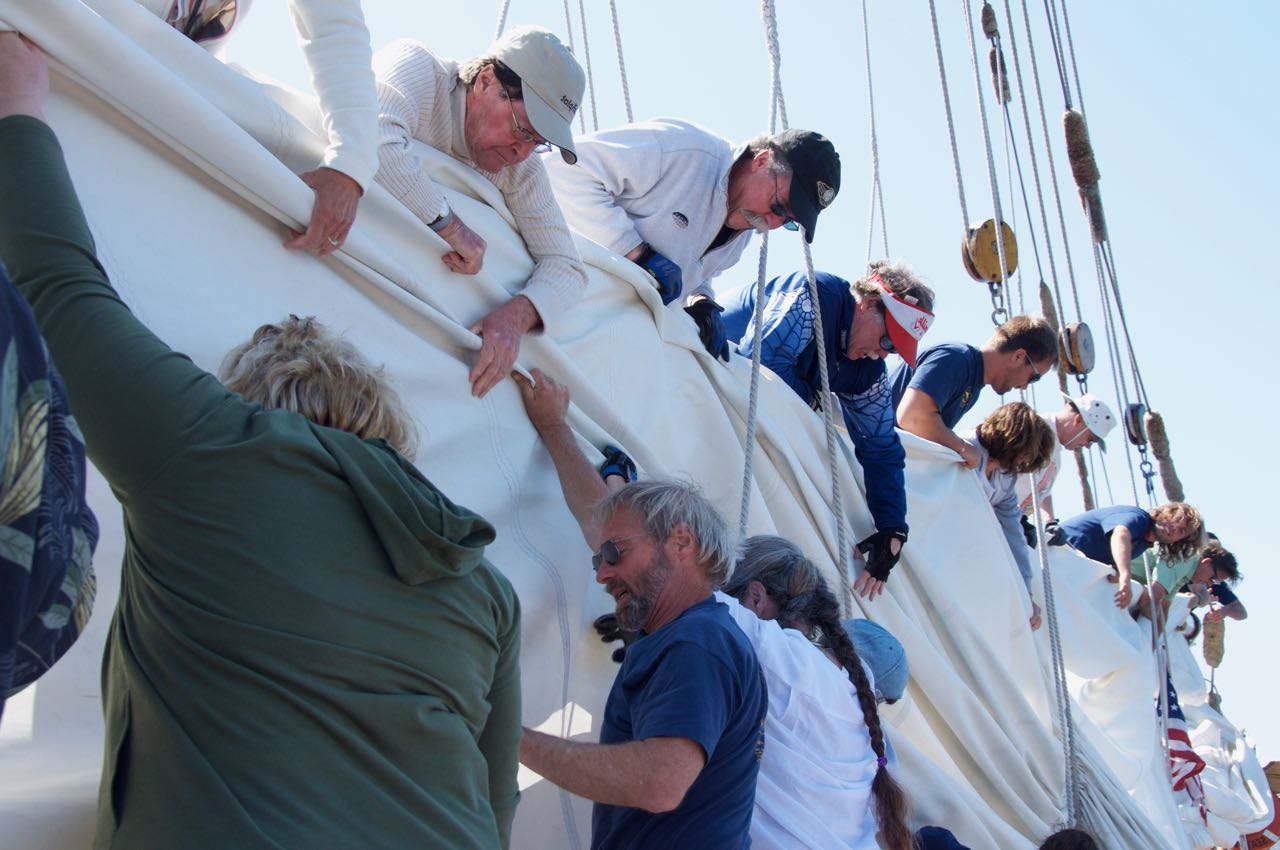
(335, 42)
(814, 788)
(1001, 490)
(420, 97)
(665, 182)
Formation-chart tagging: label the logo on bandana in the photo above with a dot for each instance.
(681, 220)
(825, 195)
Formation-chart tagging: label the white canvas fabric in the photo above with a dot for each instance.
(209, 158)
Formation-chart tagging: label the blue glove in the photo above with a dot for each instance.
(664, 272)
(706, 314)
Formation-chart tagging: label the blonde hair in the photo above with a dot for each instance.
(301, 366)
(1189, 545)
(1017, 437)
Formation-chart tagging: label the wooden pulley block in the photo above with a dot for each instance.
(1077, 348)
(981, 255)
(1135, 426)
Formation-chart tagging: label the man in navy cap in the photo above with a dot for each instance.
(682, 203)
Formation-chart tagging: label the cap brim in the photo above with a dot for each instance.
(804, 210)
(549, 124)
(904, 343)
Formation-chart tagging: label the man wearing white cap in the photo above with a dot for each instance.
(491, 112)
(885, 312)
(1082, 422)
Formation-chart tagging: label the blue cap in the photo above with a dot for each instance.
(883, 654)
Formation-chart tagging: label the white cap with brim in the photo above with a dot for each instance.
(1097, 417)
(552, 82)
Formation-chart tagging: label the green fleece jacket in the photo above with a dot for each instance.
(310, 650)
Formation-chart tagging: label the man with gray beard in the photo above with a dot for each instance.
(682, 734)
(682, 203)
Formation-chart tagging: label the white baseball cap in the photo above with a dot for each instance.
(1097, 417)
(551, 82)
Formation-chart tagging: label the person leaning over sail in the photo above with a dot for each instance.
(1118, 534)
(885, 312)
(335, 43)
(1082, 422)
(492, 113)
(683, 729)
(310, 649)
(1012, 442)
(682, 203)
(932, 396)
(1212, 565)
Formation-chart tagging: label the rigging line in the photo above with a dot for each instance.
(1106, 478)
(1113, 357)
(986, 138)
(951, 127)
(502, 19)
(1035, 168)
(1055, 40)
(1071, 50)
(1108, 256)
(1053, 174)
(777, 106)
(1026, 203)
(568, 26)
(877, 191)
(586, 52)
(622, 65)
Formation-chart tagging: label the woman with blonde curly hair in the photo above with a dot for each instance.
(1014, 440)
(1116, 535)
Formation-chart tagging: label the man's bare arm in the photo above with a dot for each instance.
(547, 403)
(919, 414)
(653, 774)
(1122, 554)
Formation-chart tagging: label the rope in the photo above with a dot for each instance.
(586, 53)
(753, 397)
(568, 27)
(502, 19)
(996, 288)
(1071, 49)
(1055, 40)
(951, 126)
(622, 65)
(777, 106)
(877, 192)
(1053, 171)
(1160, 448)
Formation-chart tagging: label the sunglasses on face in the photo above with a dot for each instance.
(780, 211)
(886, 345)
(609, 552)
(523, 134)
(1035, 376)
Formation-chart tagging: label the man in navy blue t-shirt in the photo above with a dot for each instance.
(683, 728)
(885, 312)
(947, 378)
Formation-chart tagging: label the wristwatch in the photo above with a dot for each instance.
(442, 217)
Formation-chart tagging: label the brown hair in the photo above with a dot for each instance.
(1017, 437)
(1221, 560)
(1186, 548)
(1070, 839)
(1032, 334)
(900, 280)
(803, 599)
(299, 365)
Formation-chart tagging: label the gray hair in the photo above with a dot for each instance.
(665, 505)
(778, 164)
(901, 281)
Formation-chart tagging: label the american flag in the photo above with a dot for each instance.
(1184, 764)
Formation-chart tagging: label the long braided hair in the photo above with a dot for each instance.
(805, 602)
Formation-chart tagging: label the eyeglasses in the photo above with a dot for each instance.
(609, 553)
(886, 345)
(523, 134)
(1035, 375)
(780, 211)
(204, 20)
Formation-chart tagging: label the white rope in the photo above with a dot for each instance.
(951, 127)
(622, 65)
(591, 80)
(777, 105)
(502, 19)
(568, 28)
(1053, 171)
(753, 397)
(877, 191)
(986, 139)
(1071, 49)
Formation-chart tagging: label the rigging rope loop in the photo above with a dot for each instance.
(622, 65)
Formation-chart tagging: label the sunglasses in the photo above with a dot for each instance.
(524, 134)
(780, 211)
(203, 20)
(609, 552)
(886, 345)
(1035, 376)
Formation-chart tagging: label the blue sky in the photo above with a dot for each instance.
(1183, 119)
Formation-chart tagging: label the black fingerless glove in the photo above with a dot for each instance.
(879, 553)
